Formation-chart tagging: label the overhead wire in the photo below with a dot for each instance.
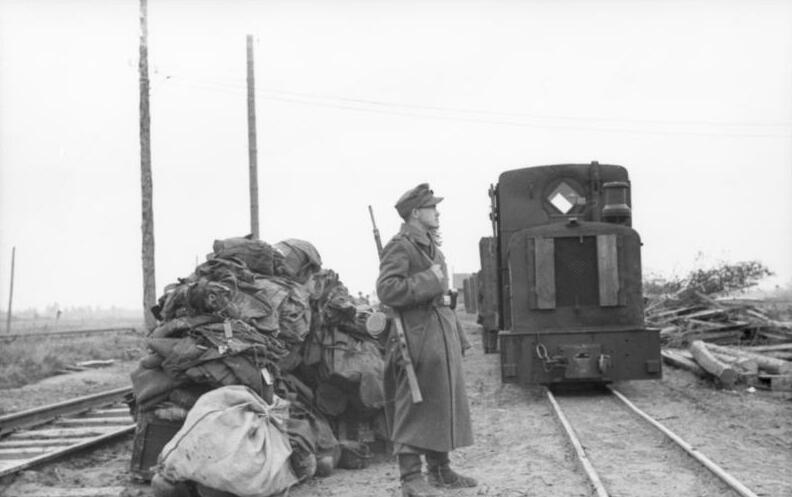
(481, 116)
(502, 113)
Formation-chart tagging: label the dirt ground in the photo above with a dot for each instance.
(520, 448)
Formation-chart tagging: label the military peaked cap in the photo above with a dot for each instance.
(415, 198)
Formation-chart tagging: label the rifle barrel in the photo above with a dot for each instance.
(377, 238)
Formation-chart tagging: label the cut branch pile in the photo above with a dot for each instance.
(687, 316)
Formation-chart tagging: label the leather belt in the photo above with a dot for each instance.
(441, 301)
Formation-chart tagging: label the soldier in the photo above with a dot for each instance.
(413, 281)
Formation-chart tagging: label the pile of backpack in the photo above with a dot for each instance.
(289, 346)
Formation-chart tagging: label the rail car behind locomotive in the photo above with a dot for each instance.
(565, 266)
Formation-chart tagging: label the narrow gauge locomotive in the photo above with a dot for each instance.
(561, 278)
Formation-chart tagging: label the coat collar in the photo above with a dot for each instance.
(416, 235)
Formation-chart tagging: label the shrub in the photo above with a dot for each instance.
(723, 278)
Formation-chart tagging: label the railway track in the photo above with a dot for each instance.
(35, 436)
(65, 334)
(640, 446)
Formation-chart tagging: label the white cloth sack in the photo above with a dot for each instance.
(232, 440)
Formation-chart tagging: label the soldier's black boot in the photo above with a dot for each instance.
(441, 475)
(413, 483)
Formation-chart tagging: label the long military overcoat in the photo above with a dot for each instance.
(442, 421)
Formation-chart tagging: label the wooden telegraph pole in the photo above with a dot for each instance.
(252, 151)
(11, 292)
(147, 225)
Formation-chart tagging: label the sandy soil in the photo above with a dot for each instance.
(520, 448)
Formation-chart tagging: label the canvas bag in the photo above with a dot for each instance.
(256, 254)
(233, 441)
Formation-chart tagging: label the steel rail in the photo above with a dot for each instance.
(692, 451)
(43, 414)
(34, 436)
(594, 478)
(581, 453)
(66, 333)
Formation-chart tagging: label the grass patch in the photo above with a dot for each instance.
(29, 360)
(30, 325)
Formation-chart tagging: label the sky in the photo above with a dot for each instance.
(356, 102)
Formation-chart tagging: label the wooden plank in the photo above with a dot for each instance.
(474, 292)
(16, 466)
(780, 354)
(50, 442)
(707, 313)
(530, 267)
(767, 348)
(706, 325)
(81, 492)
(95, 364)
(467, 297)
(608, 270)
(676, 312)
(777, 382)
(59, 433)
(669, 331)
(711, 336)
(758, 314)
(544, 260)
(71, 369)
(777, 335)
(20, 453)
(769, 321)
(120, 412)
(707, 299)
(710, 326)
(95, 421)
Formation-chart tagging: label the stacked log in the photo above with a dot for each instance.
(731, 366)
(723, 371)
(766, 363)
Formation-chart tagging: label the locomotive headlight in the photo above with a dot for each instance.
(604, 363)
(616, 209)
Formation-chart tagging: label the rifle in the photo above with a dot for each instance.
(396, 318)
(377, 238)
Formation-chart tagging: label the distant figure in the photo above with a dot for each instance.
(413, 279)
(363, 299)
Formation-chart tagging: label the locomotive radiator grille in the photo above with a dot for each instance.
(575, 271)
(576, 278)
